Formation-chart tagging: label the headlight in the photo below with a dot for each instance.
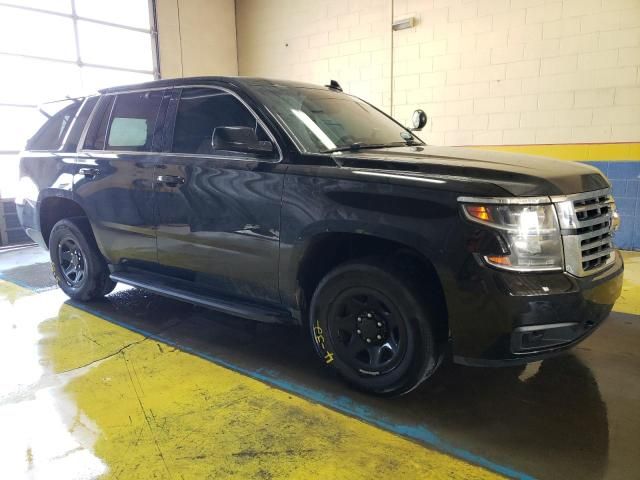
(531, 234)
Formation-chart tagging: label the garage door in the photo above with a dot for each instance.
(50, 49)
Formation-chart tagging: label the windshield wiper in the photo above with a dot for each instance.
(354, 147)
(360, 146)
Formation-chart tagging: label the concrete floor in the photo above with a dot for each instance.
(139, 386)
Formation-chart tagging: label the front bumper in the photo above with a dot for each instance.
(513, 318)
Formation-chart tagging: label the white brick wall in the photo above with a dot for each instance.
(485, 71)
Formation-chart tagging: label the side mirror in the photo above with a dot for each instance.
(419, 120)
(239, 139)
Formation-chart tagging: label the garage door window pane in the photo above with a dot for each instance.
(62, 6)
(23, 83)
(115, 47)
(38, 34)
(134, 13)
(17, 125)
(94, 79)
(8, 176)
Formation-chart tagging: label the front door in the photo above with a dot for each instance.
(218, 211)
(115, 167)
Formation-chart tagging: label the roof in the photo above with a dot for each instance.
(246, 82)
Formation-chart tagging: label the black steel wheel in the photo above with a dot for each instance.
(371, 323)
(71, 262)
(367, 330)
(79, 267)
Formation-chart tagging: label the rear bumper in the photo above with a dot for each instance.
(530, 317)
(28, 217)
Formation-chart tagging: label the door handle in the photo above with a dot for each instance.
(170, 180)
(89, 172)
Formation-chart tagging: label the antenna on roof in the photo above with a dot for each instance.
(334, 85)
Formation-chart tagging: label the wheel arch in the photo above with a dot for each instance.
(325, 251)
(54, 208)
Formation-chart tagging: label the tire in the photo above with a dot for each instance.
(78, 266)
(371, 323)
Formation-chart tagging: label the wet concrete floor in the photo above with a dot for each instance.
(576, 416)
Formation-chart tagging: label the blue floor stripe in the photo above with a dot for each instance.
(19, 283)
(341, 403)
(26, 286)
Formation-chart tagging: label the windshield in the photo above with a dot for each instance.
(322, 120)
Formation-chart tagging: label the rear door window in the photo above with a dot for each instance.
(128, 132)
(132, 121)
(60, 116)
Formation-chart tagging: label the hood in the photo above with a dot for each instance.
(521, 175)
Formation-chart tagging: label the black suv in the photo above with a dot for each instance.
(286, 202)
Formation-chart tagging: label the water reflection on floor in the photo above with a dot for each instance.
(575, 416)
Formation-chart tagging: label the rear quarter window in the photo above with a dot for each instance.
(59, 118)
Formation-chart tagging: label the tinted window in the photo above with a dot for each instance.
(200, 111)
(98, 128)
(133, 119)
(78, 126)
(322, 120)
(51, 134)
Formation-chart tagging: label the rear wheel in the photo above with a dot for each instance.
(78, 265)
(371, 323)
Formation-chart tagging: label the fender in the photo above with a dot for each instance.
(293, 256)
(43, 175)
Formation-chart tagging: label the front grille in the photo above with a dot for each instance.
(594, 228)
(586, 223)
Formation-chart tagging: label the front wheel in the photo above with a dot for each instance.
(78, 265)
(370, 322)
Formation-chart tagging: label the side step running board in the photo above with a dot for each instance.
(251, 312)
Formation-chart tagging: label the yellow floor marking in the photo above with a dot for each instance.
(629, 301)
(108, 401)
(158, 412)
(576, 152)
(10, 292)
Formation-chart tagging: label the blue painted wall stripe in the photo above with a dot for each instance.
(625, 182)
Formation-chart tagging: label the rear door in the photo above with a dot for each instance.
(115, 168)
(219, 220)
